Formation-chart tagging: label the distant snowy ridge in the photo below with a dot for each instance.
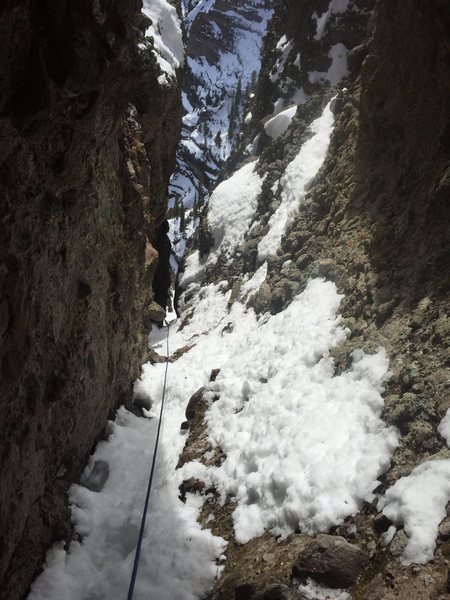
(223, 54)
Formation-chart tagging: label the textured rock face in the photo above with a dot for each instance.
(88, 140)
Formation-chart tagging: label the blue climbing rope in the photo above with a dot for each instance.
(137, 555)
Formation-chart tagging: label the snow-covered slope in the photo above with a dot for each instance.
(223, 58)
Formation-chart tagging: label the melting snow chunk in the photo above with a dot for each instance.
(314, 591)
(279, 124)
(418, 502)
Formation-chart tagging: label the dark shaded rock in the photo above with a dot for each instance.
(376, 589)
(399, 543)
(332, 561)
(156, 312)
(303, 261)
(325, 267)
(245, 591)
(79, 104)
(194, 403)
(142, 400)
(214, 374)
(97, 477)
(278, 591)
(84, 289)
(184, 426)
(404, 410)
(191, 486)
(381, 524)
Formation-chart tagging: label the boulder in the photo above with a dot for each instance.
(331, 560)
(194, 403)
(98, 476)
(156, 312)
(325, 266)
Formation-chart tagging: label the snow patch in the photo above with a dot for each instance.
(335, 7)
(166, 32)
(279, 124)
(181, 568)
(338, 68)
(276, 384)
(231, 208)
(297, 176)
(418, 502)
(314, 591)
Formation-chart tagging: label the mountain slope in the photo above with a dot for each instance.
(223, 50)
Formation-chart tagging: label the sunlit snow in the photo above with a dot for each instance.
(297, 176)
(167, 38)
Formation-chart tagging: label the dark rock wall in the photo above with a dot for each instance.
(87, 146)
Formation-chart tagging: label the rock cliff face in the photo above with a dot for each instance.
(375, 220)
(87, 145)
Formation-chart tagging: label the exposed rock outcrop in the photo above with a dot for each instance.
(88, 137)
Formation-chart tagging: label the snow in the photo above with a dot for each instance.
(418, 502)
(254, 282)
(338, 68)
(335, 7)
(181, 568)
(274, 390)
(276, 384)
(444, 427)
(167, 36)
(284, 46)
(210, 97)
(304, 446)
(279, 124)
(314, 591)
(297, 176)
